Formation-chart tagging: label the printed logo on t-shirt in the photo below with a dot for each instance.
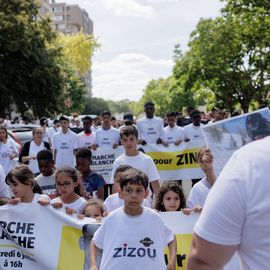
(147, 242)
(64, 145)
(138, 252)
(151, 131)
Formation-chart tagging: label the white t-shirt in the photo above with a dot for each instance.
(52, 131)
(4, 190)
(198, 193)
(46, 135)
(133, 242)
(171, 135)
(114, 201)
(150, 129)
(78, 206)
(141, 162)
(84, 140)
(47, 184)
(6, 150)
(33, 151)
(40, 197)
(107, 137)
(237, 208)
(194, 133)
(64, 143)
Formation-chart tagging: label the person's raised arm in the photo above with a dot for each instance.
(172, 254)
(155, 186)
(93, 256)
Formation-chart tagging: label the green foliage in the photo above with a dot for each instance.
(95, 106)
(227, 63)
(30, 74)
(78, 50)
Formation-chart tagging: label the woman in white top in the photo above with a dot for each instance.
(8, 151)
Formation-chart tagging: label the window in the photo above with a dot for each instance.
(61, 26)
(57, 9)
(57, 18)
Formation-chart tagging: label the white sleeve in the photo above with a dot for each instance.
(4, 191)
(223, 215)
(152, 171)
(115, 166)
(14, 147)
(76, 143)
(99, 235)
(54, 141)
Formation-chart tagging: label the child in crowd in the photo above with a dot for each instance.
(67, 184)
(46, 179)
(170, 197)
(136, 159)
(114, 201)
(94, 209)
(24, 187)
(133, 235)
(200, 190)
(91, 181)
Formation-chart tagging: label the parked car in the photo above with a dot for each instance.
(23, 133)
(16, 141)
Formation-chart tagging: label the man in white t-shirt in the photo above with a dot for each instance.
(150, 127)
(193, 133)
(86, 138)
(106, 136)
(172, 134)
(135, 158)
(236, 213)
(64, 144)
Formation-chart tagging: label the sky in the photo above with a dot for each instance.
(137, 40)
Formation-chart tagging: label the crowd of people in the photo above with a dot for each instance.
(55, 168)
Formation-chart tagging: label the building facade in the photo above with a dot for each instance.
(69, 20)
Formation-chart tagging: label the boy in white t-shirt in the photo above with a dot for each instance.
(133, 235)
(64, 144)
(114, 201)
(85, 138)
(172, 134)
(107, 135)
(135, 158)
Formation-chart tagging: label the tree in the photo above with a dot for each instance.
(95, 106)
(78, 50)
(30, 74)
(223, 60)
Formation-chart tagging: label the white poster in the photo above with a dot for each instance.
(225, 137)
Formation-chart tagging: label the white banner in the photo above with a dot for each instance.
(173, 162)
(36, 237)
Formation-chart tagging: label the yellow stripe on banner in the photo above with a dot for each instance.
(70, 255)
(167, 161)
(183, 248)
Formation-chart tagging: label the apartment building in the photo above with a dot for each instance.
(69, 19)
